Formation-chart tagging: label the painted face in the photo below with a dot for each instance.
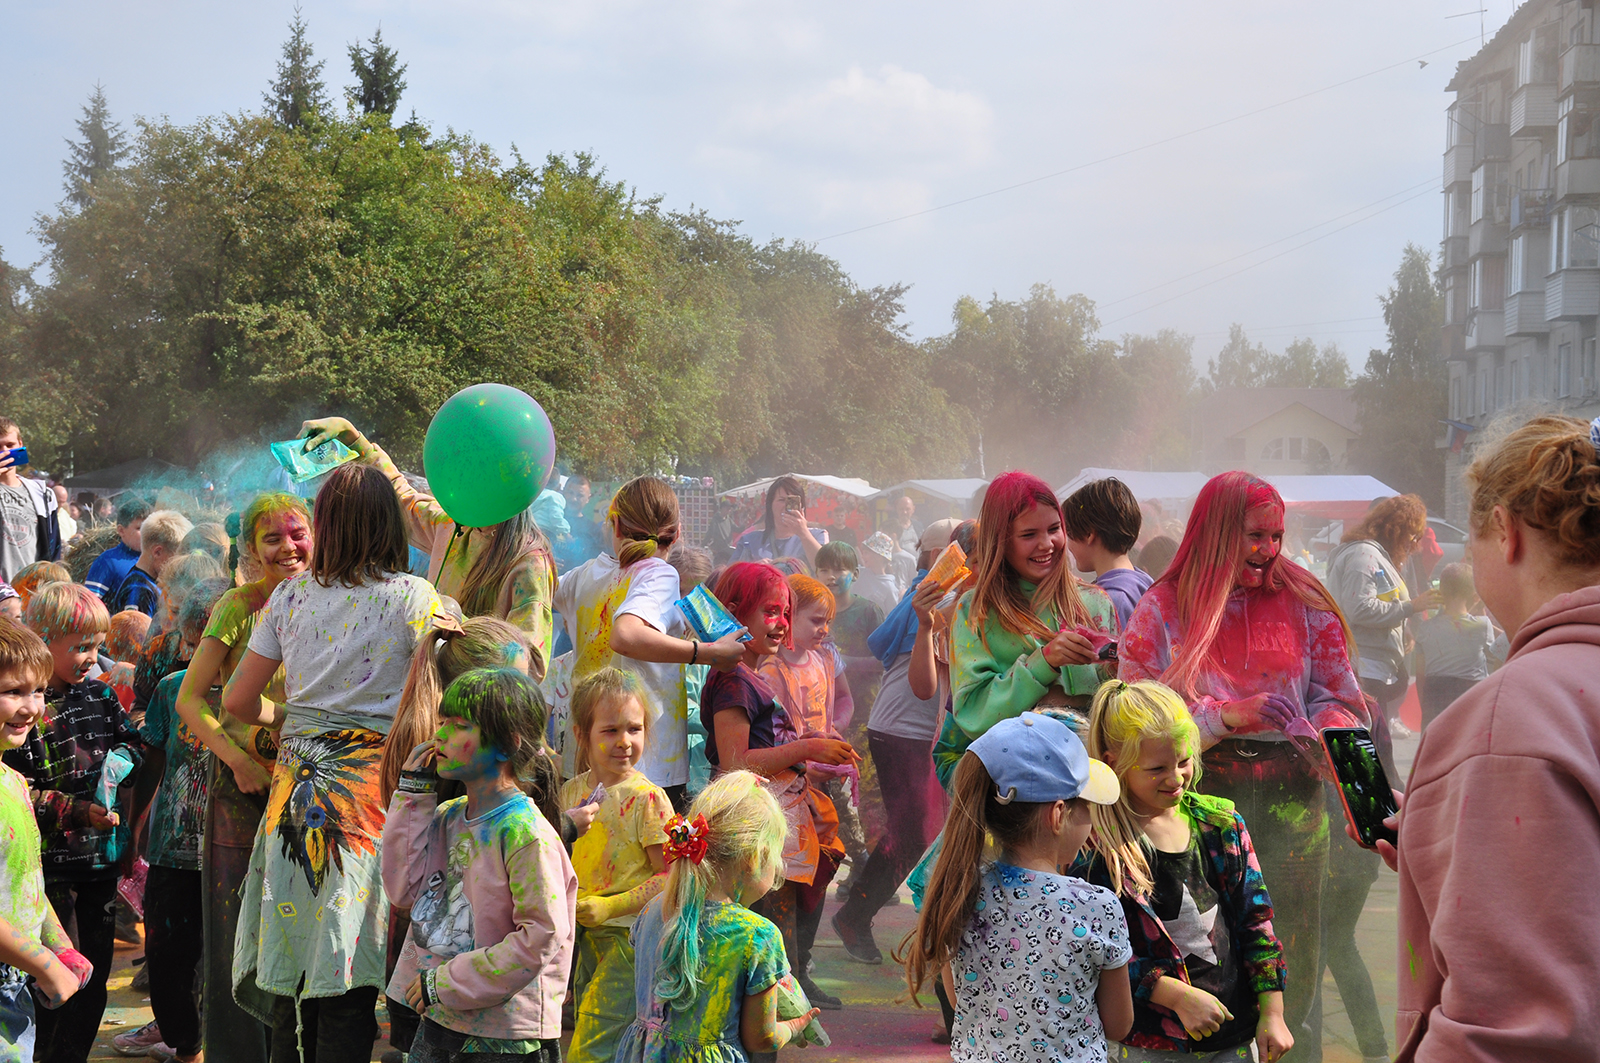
(1263, 540)
(616, 737)
(283, 544)
(1036, 543)
(838, 581)
(74, 655)
(1159, 778)
(768, 627)
(12, 608)
(21, 706)
(463, 753)
(810, 626)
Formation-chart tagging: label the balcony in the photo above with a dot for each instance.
(1580, 66)
(1452, 343)
(1453, 253)
(1486, 331)
(1533, 110)
(1458, 164)
(1530, 208)
(1525, 314)
(1570, 294)
(1578, 177)
(1492, 144)
(1486, 237)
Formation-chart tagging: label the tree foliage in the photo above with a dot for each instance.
(102, 146)
(1242, 364)
(1401, 395)
(297, 96)
(379, 76)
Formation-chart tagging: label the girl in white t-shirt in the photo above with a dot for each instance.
(620, 610)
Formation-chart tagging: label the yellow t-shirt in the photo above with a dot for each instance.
(610, 857)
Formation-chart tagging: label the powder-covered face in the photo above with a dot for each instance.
(616, 737)
(768, 627)
(838, 581)
(810, 626)
(462, 752)
(74, 655)
(1156, 782)
(1036, 543)
(21, 707)
(283, 544)
(1263, 540)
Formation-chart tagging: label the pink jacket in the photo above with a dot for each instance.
(1500, 857)
(492, 908)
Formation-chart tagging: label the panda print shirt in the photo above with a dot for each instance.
(1028, 967)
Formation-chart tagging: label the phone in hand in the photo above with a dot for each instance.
(19, 457)
(1364, 788)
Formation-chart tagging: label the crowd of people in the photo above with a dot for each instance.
(343, 755)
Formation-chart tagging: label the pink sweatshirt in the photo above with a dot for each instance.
(1500, 856)
(492, 904)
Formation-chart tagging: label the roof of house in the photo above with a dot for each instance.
(1242, 408)
(1516, 26)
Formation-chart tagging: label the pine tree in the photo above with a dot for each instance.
(298, 96)
(102, 147)
(380, 76)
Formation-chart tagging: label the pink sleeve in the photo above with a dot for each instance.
(542, 909)
(1145, 652)
(1333, 693)
(408, 855)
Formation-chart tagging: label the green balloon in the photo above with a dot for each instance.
(488, 453)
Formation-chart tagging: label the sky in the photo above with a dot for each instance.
(1253, 162)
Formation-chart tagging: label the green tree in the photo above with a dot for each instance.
(1242, 364)
(101, 147)
(380, 76)
(297, 96)
(1401, 395)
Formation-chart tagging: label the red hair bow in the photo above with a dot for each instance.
(686, 839)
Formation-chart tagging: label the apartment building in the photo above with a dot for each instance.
(1520, 259)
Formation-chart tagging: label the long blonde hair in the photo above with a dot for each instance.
(745, 830)
(644, 512)
(1124, 716)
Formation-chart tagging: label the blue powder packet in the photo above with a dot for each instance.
(708, 618)
(303, 465)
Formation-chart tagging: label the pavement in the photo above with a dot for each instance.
(880, 1022)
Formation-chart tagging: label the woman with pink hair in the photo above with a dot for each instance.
(1259, 651)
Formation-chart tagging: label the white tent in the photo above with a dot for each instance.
(956, 492)
(843, 484)
(1172, 489)
(1334, 495)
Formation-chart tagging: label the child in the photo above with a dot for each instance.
(811, 686)
(620, 611)
(1103, 520)
(32, 942)
(855, 618)
(746, 723)
(112, 565)
(160, 536)
(36, 575)
(1208, 968)
(693, 565)
(1454, 645)
(173, 895)
(878, 584)
(489, 885)
(618, 858)
(708, 968)
(62, 761)
(1037, 960)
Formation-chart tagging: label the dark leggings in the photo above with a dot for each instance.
(337, 1029)
(1351, 872)
(1438, 691)
(795, 908)
(913, 805)
(88, 911)
(232, 1034)
(174, 944)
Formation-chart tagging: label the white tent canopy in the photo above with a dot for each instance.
(1330, 488)
(958, 492)
(1171, 489)
(843, 484)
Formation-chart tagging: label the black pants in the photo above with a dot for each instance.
(174, 944)
(435, 1044)
(913, 805)
(88, 911)
(337, 1029)
(1438, 691)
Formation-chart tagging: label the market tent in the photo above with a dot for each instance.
(1172, 489)
(119, 478)
(1333, 496)
(936, 498)
(843, 484)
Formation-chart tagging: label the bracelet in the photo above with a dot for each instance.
(428, 982)
(418, 782)
(695, 655)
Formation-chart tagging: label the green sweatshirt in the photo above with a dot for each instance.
(1011, 675)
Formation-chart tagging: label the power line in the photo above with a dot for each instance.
(1141, 147)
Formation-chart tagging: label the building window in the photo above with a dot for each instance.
(1514, 281)
(1590, 385)
(1475, 285)
(1557, 245)
(1583, 236)
(1564, 371)
(1296, 448)
(1502, 386)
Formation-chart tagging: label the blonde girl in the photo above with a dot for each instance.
(618, 855)
(707, 980)
(1207, 969)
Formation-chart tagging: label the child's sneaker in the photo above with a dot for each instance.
(137, 1042)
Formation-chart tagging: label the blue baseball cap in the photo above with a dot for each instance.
(1038, 759)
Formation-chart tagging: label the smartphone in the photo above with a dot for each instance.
(19, 457)
(1364, 788)
(792, 505)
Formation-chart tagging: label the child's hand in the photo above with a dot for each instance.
(56, 984)
(1201, 1013)
(583, 817)
(323, 429)
(726, 652)
(250, 777)
(421, 757)
(796, 1027)
(830, 751)
(1069, 647)
(1272, 1038)
(924, 600)
(592, 911)
(414, 997)
(99, 818)
(77, 963)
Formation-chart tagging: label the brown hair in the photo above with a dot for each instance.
(21, 650)
(692, 562)
(1394, 524)
(31, 577)
(1157, 554)
(644, 511)
(357, 528)
(1547, 475)
(1106, 509)
(207, 537)
(447, 651)
(590, 692)
(126, 637)
(1455, 583)
(59, 610)
(511, 542)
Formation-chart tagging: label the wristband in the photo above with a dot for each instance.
(695, 654)
(419, 782)
(427, 980)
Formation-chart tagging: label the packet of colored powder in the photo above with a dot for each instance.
(793, 1003)
(303, 464)
(949, 568)
(708, 618)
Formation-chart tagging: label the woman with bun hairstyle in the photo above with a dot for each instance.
(1503, 965)
(1257, 649)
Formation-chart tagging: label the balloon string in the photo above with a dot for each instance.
(448, 547)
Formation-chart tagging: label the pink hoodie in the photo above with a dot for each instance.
(1500, 858)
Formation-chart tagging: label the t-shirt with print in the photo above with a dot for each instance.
(19, 531)
(741, 688)
(178, 813)
(345, 650)
(1187, 905)
(1028, 967)
(610, 856)
(22, 899)
(589, 599)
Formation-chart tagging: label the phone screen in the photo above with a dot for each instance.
(1363, 785)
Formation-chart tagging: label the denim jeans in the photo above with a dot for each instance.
(435, 1044)
(337, 1029)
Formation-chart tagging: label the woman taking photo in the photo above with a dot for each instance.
(784, 531)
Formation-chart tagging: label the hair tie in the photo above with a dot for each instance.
(686, 839)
